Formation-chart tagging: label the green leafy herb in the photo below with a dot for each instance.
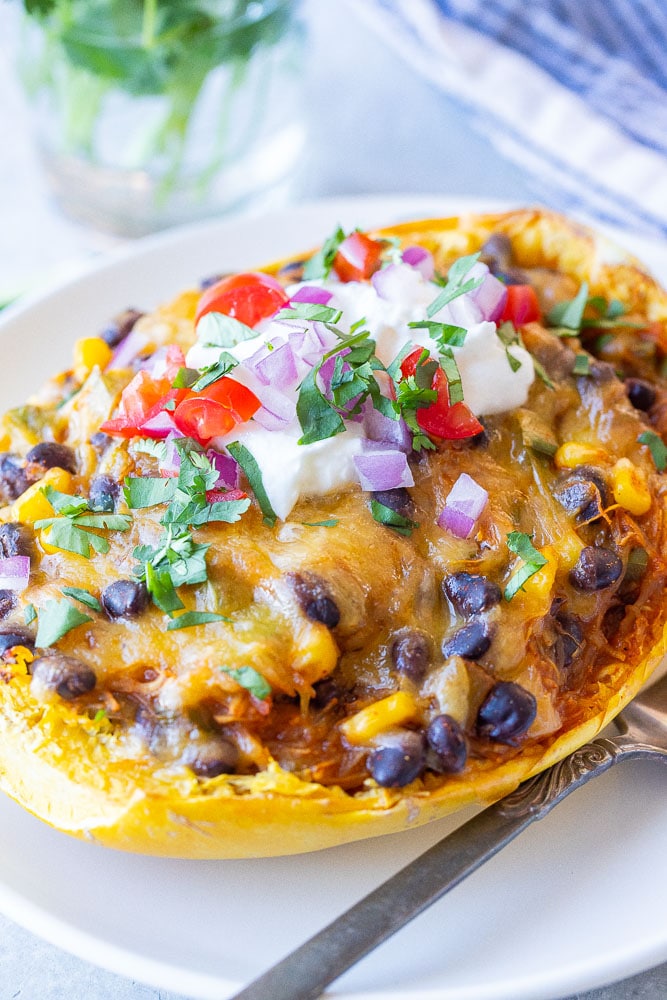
(320, 264)
(413, 393)
(521, 544)
(212, 373)
(253, 474)
(192, 618)
(582, 365)
(64, 503)
(392, 519)
(149, 446)
(55, 620)
(451, 370)
(444, 334)
(317, 417)
(161, 588)
(185, 378)
(331, 522)
(571, 317)
(100, 715)
(250, 679)
(83, 596)
(311, 311)
(570, 314)
(657, 447)
(70, 530)
(216, 329)
(455, 284)
(541, 373)
(29, 614)
(149, 491)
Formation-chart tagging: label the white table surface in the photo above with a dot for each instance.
(374, 128)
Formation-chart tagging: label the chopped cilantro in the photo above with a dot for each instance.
(392, 519)
(451, 370)
(55, 620)
(250, 679)
(100, 715)
(212, 373)
(532, 561)
(312, 311)
(69, 530)
(541, 373)
(29, 614)
(216, 329)
(444, 334)
(317, 417)
(192, 618)
(570, 314)
(253, 474)
(148, 492)
(320, 264)
(185, 378)
(568, 318)
(161, 588)
(330, 522)
(149, 446)
(83, 596)
(657, 447)
(455, 285)
(582, 365)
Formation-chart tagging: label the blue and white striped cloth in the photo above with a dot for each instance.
(573, 90)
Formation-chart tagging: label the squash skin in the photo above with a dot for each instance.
(58, 766)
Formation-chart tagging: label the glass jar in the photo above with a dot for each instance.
(154, 112)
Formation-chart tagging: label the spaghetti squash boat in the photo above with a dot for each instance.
(331, 549)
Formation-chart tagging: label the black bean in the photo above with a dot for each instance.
(596, 569)
(400, 763)
(15, 540)
(211, 758)
(7, 602)
(51, 454)
(314, 598)
(326, 691)
(120, 326)
(14, 479)
(292, 271)
(583, 492)
(67, 676)
(640, 393)
(100, 441)
(411, 654)
(470, 593)
(448, 744)
(569, 639)
(124, 598)
(16, 637)
(471, 641)
(498, 255)
(506, 713)
(397, 500)
(103, 493)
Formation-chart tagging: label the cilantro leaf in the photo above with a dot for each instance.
(216, 329)
(212, 373)
(455, 285)
(64, 503)
(392, 519)
(185, 378)
(29, 614)
(320, 264)
(657, 447)
(55, 620)
(521, 544)
(570, 314)
(161, 588)
(83, 596)
(330, 522)
(582, 365)
(191, 618)
(444, 334)
(311, 311)
(317, 417)
(149, 491)
(253, 474)
(451, 370)
(250, 679)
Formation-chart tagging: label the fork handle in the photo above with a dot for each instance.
(305, 973)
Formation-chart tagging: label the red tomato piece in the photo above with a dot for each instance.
(358, 257)
(248, 298)
(522, 305)
(441, 419)
(234, 396)
(216, 496)
(215, 411)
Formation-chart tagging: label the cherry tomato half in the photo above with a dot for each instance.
(215, 411)
(441, 419)
(358, 257)
(248, 298)
(522, 305)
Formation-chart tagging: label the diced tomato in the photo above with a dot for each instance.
(248, 298)
(441, 419)
(358, 257)
(216, 496)
(216, 410)
(522, 305)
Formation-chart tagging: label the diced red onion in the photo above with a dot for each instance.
(171, 463)
(383, 469)
(321, 333)
(383, 429)
(277, 410)
(313, 294)
(491, 295)
(128, 349)
(278, 367)
(463, 506)
(158, 426)
(155, 364)
(226, 467)
(395, 282)
(14, 572)
(421, 259)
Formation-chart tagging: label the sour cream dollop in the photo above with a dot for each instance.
(291, 470)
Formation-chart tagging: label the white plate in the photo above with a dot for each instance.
(575, 902)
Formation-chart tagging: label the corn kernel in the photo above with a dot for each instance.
(315, 652)
(32, 505)
(569, 549)
(392, 711)
(630, 487)
(572, 453)
(540, 584)
(89, 352)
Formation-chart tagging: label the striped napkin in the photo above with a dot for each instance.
(575, 91)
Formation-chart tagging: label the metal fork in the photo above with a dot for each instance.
(305, 973)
